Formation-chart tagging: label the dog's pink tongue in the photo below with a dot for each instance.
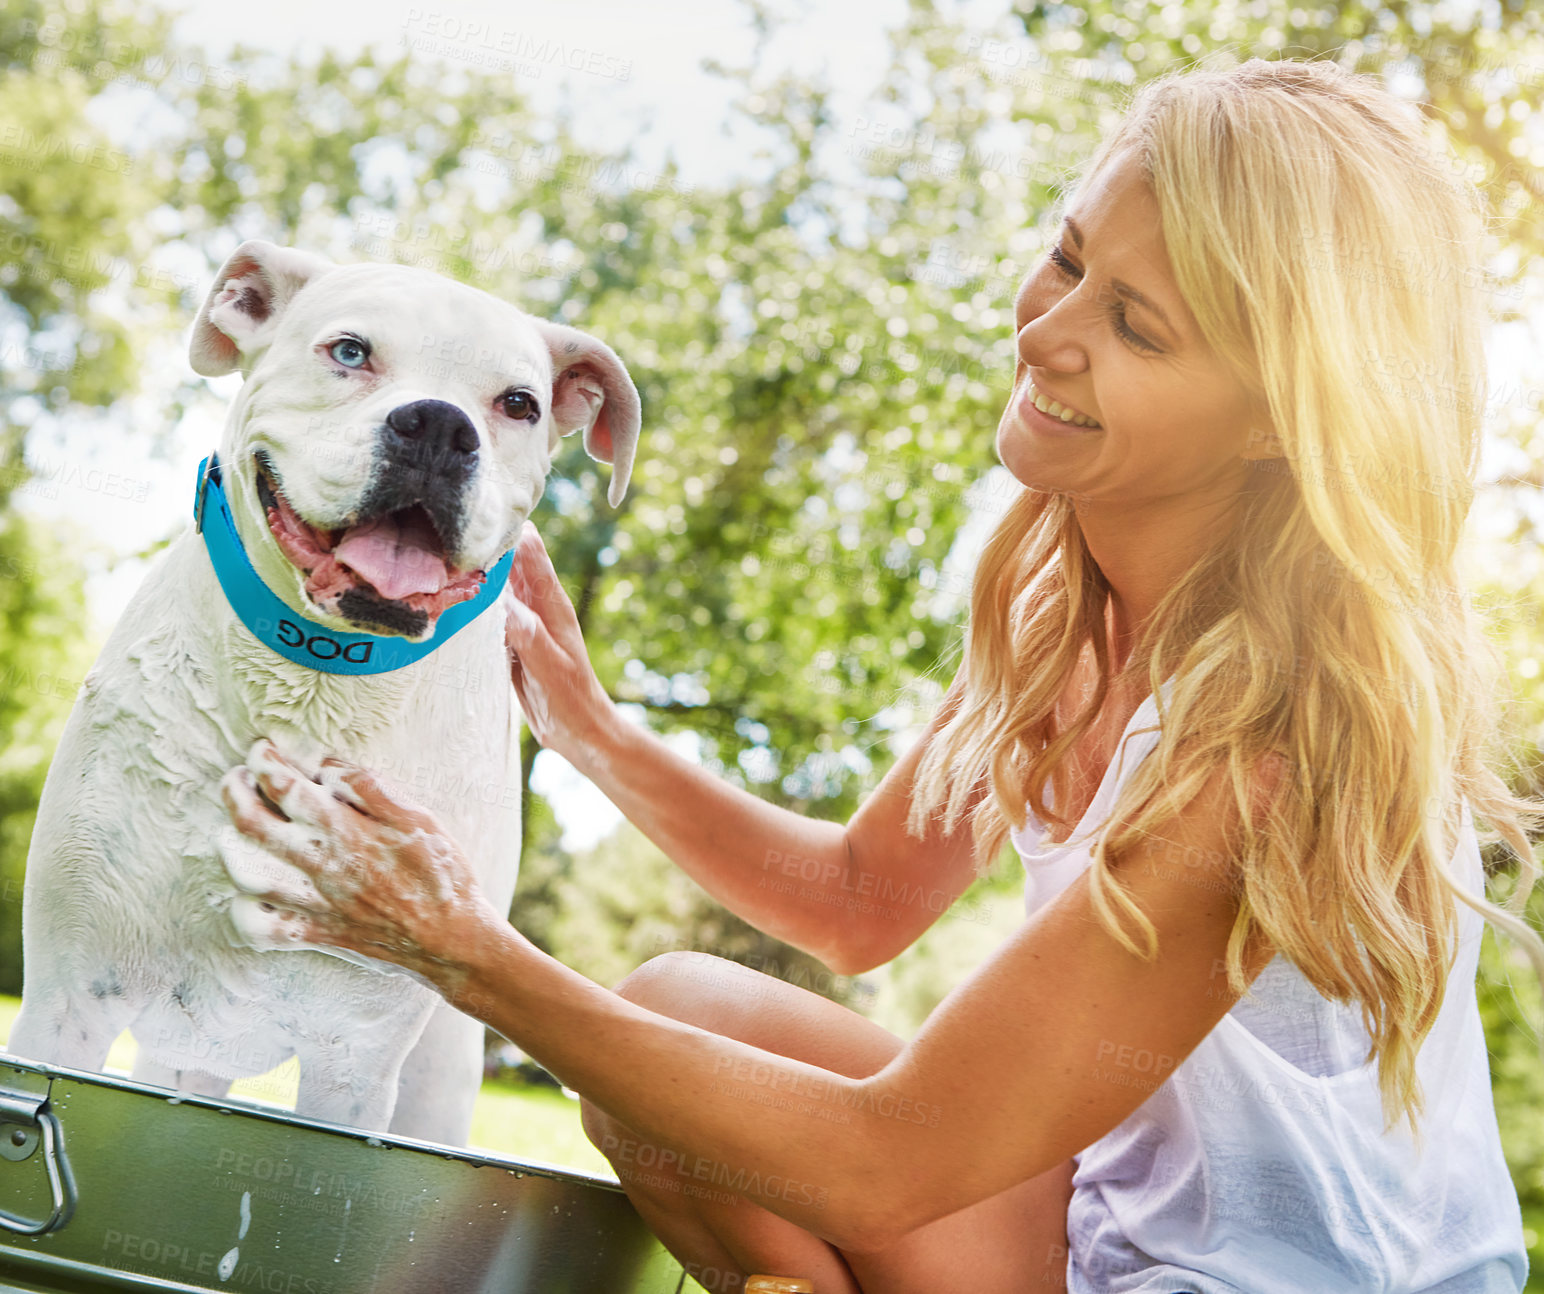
(397, 554)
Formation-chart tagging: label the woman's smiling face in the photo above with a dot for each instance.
(1103, 330)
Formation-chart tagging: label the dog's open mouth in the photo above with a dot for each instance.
(388, 571)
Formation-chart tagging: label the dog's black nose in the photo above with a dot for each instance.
(434, 424)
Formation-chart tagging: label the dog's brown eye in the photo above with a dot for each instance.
(519, 404)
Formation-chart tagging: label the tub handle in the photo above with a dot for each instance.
(26, 1123)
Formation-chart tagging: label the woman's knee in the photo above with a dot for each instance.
(681, 985)
(694, 988)
(760, 1010)
(598, 1126)
(660, 977)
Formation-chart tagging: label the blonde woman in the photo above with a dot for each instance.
(1220, 650)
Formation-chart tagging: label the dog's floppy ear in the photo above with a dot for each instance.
(591, 389)
(241, 312)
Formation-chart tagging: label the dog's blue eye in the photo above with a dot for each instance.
(350, 352)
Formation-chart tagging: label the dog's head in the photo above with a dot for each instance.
(395, 429)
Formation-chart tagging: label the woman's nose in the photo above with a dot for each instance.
(1053, 339)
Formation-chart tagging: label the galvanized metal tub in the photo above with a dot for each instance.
(130, 1187)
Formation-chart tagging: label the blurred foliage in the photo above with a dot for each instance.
(622, 902)
(1509, 1000)
(823, 344)
(73, 212)
(43, 659)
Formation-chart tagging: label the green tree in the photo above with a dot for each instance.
(72, 209)
(43, 659)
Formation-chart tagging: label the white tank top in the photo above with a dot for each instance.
(1258, 1165)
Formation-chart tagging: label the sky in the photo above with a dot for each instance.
(609, 62)
(630, 62)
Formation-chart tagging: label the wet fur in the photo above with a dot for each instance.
(128, 919)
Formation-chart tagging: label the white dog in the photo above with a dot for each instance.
(393, 432)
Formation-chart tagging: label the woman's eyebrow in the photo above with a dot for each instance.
(1121, 286)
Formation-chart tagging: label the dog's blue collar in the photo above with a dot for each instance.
(295, 637)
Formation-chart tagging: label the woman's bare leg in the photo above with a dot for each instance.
(1015, 1241)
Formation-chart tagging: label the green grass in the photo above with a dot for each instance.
(531, 1123)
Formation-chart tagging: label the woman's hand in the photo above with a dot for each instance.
(386, 880)
(562, 699)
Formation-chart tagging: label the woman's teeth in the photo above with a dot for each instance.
(1056, 410)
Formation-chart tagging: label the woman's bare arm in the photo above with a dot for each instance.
(1050, 1044)
(852, 895)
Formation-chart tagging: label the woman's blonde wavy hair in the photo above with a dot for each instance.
(1322, 245)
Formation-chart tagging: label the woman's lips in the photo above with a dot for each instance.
(1024, 409)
